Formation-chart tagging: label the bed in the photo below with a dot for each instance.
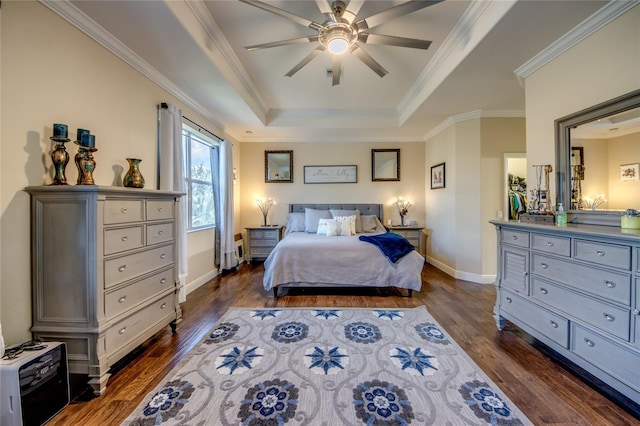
(305, 259)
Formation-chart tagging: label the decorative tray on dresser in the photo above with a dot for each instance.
(577, 290)
(104, 275)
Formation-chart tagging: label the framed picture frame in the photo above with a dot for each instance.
(331, 174)
(630, 172)
(438, 176)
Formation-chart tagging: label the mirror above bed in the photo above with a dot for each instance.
(593, 147)
(278, 166)
(385, 165)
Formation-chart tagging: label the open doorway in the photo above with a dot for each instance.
(515, 185)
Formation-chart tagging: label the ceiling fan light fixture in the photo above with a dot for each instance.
(338, 45)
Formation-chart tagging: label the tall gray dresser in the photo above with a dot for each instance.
(577, 290)
(104, 275)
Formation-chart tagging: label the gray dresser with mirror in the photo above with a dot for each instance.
(104, 275)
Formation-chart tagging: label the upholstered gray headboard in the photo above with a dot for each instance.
(365, 209)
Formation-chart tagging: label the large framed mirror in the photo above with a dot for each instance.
(278, 166)
(385, 165)
(591, 147)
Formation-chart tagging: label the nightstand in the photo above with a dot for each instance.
(411, 233)
(261, 240)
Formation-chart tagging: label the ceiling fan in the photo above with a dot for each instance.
(341, 33)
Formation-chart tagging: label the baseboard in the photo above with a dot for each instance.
(462, 275)
(198, 282)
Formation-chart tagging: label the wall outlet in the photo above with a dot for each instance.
(499, 214)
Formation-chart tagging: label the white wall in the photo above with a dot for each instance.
(410, 186)
(603, 66)
(52, 73)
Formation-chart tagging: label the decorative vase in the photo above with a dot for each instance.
(403, 220)
(133, 178)
(59, 158)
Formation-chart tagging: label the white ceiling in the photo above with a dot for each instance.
(196, 51)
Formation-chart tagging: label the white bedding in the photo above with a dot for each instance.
(305, 260)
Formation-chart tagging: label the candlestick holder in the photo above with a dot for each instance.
(60, 158)
(86, 164)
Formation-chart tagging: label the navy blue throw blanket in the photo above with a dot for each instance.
(393, 246)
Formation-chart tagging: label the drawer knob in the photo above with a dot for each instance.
(610, 284)
(159, 209)
(636, 311)
(509, 300)
(549, 243)
(163, 255)
(600, 253)
(122, 268)
(589, 342)
(544, 290)
(124, 238)
(162, 281)
(122, 330)
(554, 324)
(608, 317)
(514, 237)
(160, 232)
(164, 305)
(122, 299)
(544, 265)
(123, 210)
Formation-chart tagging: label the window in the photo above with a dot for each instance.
(201, 159)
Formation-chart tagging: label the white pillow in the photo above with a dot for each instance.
(356, 213)
(349, 221)
(327, 226)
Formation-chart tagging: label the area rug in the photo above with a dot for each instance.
(327, 367)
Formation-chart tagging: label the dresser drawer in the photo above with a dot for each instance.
(265, 234)
(614, 286)
(123, 299)
(121, 239)
(261, 251)
(263, 242)
(127, 267)
(613, 255)
(515, 269)
(159, 233)
(123, 211)
(551, 244)
(515, 238)
(607, 317)
(159, 209)
(618, 361)
(551, 325)
(131, 327)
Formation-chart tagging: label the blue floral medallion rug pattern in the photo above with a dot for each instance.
(327, 367)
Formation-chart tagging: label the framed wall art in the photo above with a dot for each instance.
(330, 174)
(630, 172)
(437, 176)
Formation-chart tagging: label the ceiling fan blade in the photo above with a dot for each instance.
(336, 70)
(318, 50)
(352, 10)
(394, 12)
(393, 41)
(369, 61)
(309, 39)
(325, 9)
(295, 18)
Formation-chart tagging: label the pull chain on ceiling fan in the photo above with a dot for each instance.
(341, 33)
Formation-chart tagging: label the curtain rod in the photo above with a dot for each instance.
(164, 105)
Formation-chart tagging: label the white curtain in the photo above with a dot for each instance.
(171, 178)
(224, 209)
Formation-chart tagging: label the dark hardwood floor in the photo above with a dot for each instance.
(542, 388)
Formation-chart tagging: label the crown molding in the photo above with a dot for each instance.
(471, 115)
(479, 18)
(70, 13)
(595, 22)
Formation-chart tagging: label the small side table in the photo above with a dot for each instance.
(411, 233)
(261, 240)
